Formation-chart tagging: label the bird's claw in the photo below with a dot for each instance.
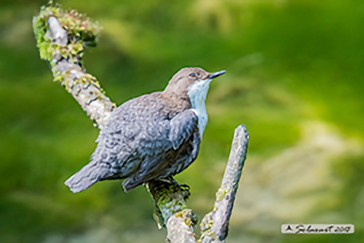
(173, 182)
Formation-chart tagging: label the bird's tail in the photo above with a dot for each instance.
(86, 177)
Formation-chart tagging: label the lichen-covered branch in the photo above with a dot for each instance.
(169, 199)
(172, 212)
(62, 37)
(215, 225)
(180, 231)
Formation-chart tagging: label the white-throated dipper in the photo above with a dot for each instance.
(151, 137)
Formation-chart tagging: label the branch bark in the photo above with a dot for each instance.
(62, 37)
(215, 225)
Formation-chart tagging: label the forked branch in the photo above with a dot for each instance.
(62, 37)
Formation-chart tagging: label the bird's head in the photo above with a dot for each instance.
(193, 82)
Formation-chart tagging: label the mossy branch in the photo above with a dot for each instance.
(62, 37)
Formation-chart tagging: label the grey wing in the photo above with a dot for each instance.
(119, 151)
(184, 131)
(182, 126)
(186, 156)
(134, 131)
(183, 139)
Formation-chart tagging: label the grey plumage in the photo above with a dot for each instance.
(150, 137)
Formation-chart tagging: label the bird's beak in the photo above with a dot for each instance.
(217, 74)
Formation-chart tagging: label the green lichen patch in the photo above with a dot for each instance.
(170, 199)
(188, 217)
(221, 193)
(80, 30)
(170, 202)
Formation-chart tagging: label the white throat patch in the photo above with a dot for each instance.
(197, 93)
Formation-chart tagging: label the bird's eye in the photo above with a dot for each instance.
(192, 75)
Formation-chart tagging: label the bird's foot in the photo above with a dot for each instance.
(171, 181)
(185, 186)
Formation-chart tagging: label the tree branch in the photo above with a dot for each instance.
(215, 225)
(62, 37)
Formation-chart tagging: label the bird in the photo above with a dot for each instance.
(151, 137)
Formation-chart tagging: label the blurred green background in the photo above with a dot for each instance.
(294, 77)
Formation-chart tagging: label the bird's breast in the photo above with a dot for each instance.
(201, 113)
(197, 94)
